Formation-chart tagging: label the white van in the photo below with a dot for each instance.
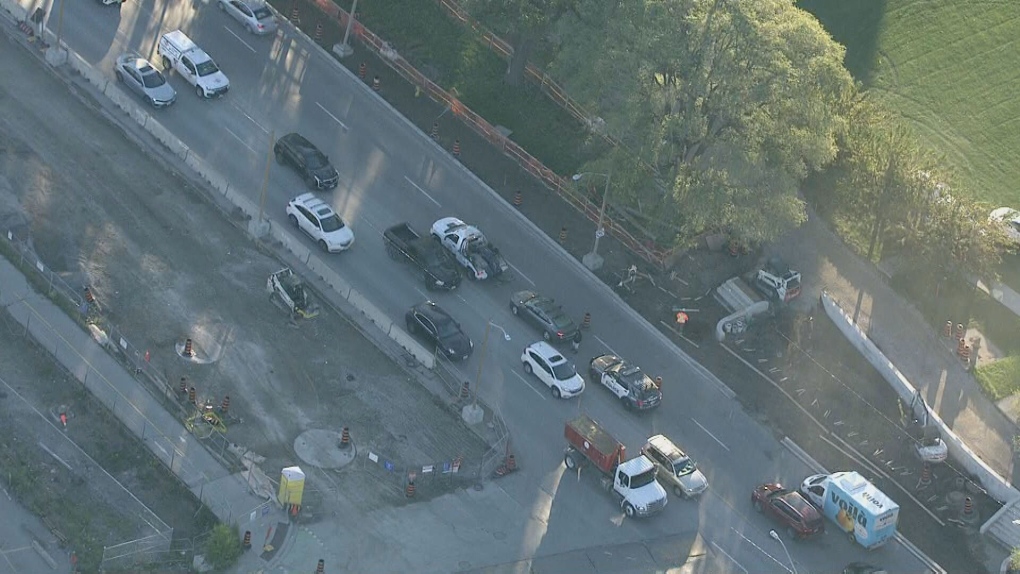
(193, 64)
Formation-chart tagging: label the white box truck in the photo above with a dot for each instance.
(193, 64)
(856, 505)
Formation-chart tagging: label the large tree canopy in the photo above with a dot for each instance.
(728, 103)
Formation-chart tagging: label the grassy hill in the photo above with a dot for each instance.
(951, 69)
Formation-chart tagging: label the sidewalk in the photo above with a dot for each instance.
(224, 493)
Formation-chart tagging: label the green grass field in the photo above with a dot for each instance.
(950, 68)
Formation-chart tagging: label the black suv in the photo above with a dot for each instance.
(433, 323)
(310, 163)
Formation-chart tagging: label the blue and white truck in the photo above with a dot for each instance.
(856, 505)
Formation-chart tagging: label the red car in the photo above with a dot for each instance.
(789, 508)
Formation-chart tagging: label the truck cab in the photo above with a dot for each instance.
(858, 507)
(180, 53)
(640, 494)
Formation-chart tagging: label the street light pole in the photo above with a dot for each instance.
(775, 536)
(592, 260)
(344, 49)
(473, 413)
(481, 360)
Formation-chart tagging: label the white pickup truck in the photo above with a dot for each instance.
(193, 64)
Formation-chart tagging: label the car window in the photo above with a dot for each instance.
(452, 237)
(427, 323)
(188, 65)
(624, 480)
(332, 223)
(263, 13)
(134, 75)
(816, 490)
(306, 214)
(153, 79)
(447, 328)
(564, 371)
(683, 465)
(207, 68)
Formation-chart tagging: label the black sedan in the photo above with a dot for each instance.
(311, 164)
(432, 323)
(545, 314)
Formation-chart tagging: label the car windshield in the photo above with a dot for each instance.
(332, 223)
(797, 502)
(153, 79)
(446, 327)
(560, 319)
(206, 68)
(314, 159)
(683, 465)
(643, 479)
(564, 371)
(262, 13)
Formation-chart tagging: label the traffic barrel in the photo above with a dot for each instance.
(434, 134)
(362, 70)
(192, 396)
(321, 568)
(456, 148)
(947, 330)
(318, 32)
(188, 350)
(960, 331)
(658, 383)
(225, 406)
(464, 392)
(455, 466)
(518, 199)
(586, 322)
(184, 385)
(345, 438)
(511, 463)
(409, 492)
(375, 83)
(925, 479)
(960, 344)
(563, 235)
(294, 16)
(965, 355)
(968, 506)
(247, 540)
(89, 298)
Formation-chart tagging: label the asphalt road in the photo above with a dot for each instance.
(390, 172)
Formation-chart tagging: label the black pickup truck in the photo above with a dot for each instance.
(436, 267)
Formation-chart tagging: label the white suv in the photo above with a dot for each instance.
(545, 362)
(313, 216)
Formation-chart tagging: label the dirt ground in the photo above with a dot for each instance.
(164, 264)
(824, 375)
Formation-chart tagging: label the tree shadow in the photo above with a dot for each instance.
(855, 24)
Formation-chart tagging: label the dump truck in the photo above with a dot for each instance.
(631, 481)
(431, 262)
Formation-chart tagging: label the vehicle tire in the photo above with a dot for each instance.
(556, 392)
(679, 492)
(546, 336)
(166, 64)
(757, 506)
(528, 369)
(200, 92)
(569, 461)
(293, 220)
(513, 309)
(628, 509)
(120, 76)
(323, 246)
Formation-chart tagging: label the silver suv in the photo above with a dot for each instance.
(675, 469)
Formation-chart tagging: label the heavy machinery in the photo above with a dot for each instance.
(777, 281)
(287, 288)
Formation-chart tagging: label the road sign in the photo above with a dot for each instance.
(600, 232)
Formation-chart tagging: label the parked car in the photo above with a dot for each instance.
(468, 244)
(141, 77)
(433, 264)
(627, 381)
(676, 470)
(545, 314)
(434, 324)
(547, 364)
(318, 220)
(813, 489)
(193, 64)
(1009, 219)
(254, 15)
(923, 432)
(800, 518)
(311, 164)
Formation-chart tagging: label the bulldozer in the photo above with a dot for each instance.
(287, 288)
(777, 281)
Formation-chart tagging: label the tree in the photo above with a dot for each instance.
(524, 21)
(223, 547)
(730, 103)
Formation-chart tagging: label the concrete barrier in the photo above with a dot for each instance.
(371, 311)
(424, 356)
(318, 266)
(997, 487)
(93, 75)
(746, 314)
(292, 244)
(166, 138)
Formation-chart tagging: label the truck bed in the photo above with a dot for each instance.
(401, 234)
(589, 438)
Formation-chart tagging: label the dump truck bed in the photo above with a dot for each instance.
(587, 437)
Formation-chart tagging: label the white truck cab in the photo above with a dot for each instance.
(637, 488)
(193, 64)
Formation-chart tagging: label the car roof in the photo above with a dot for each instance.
(298, 141)
(547, 352)
(432, 311)
(795, 500)
(666, 447)
(315, 205)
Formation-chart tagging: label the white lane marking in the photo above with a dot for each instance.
(710, 434)
(423, 295)
(425, 193)
(335, 119)
(537, 392)
(732, 559)
(606, 345)
(521, 274)
(239, 139)
(246, 45)
(762, 550)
